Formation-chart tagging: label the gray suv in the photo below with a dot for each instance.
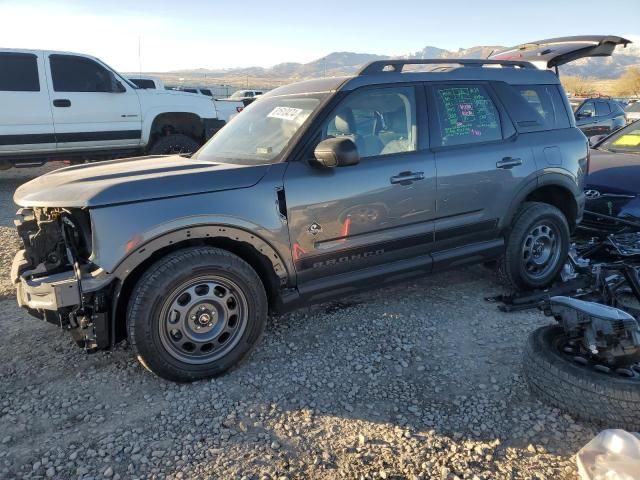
(320, 188)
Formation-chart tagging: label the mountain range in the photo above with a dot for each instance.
(347, 63)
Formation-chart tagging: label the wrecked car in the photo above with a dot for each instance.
(613, 182)
(321, 188)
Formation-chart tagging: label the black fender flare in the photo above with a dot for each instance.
(201, 232)
(545, 180)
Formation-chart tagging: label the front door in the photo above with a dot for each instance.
(26, 126)
(379, 211)
(91, 111)
(586, 119)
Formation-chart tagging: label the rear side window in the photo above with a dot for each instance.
(206, 91)
(547, 101)
(602, 109)
(465, 115)
(143, 83)
(19, 72)
(78, 74)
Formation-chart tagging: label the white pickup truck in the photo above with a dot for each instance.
(59, 105)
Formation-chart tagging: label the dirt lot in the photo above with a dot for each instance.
(419, 381)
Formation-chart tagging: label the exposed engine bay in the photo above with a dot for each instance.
(57, 246)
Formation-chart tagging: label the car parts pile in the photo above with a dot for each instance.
(589, 363)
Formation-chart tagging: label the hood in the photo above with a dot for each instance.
(553, 52)
(617, 173)
(134, 180)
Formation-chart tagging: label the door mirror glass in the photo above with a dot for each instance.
(337, 152)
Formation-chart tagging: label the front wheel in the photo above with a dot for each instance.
(196, 313)
(536, 247)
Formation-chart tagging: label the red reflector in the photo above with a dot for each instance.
(239, 109)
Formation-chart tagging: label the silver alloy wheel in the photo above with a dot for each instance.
(541, 249)
(203, 319)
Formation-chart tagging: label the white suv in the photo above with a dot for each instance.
(73, 106)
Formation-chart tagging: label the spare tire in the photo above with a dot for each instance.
(612, 399)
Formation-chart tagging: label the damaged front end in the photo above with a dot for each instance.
(55, 278)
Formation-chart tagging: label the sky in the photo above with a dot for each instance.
(174, 35)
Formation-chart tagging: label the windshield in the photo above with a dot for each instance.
(261, 131)
(625, 140)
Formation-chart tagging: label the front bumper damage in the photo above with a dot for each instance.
(59, 299)
(53, 284)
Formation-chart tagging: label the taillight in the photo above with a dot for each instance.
(239, 109)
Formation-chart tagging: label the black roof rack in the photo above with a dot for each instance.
(380, 66)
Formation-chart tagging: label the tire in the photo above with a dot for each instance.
(606, 398)
(173, 144)
(196, 313)
(536, 247)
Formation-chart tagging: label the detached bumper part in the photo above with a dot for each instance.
(52, 292)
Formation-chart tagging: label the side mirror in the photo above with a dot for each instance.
(584, 115)
(337, 152)
(596, 139)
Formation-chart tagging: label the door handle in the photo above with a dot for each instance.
(62, 102)
(509, 162)
(406, 178)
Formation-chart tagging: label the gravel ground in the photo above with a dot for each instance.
(418, 381)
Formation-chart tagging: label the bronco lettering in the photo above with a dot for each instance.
(347, 259)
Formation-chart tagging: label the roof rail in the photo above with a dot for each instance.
(380, 66)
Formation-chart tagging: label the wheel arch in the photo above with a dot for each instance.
(186, 123)
(262, 257)
(553, 189)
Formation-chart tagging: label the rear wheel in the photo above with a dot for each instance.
(196, 313)
(536, 249)
(173, 144)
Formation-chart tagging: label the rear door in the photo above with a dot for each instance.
(92, 108)
(26, 124)
(479, 159)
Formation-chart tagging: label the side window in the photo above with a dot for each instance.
(546, 100)
(602, 109)
(206, 91)
(465, 115)
(380, 121)
(19, 72)
(78, 74)
(143, 83)
(587, 110)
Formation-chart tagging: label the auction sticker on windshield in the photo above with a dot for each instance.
(285, 113)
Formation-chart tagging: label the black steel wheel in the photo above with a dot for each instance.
(541, 249)
(559, 375)
(196, 313)
(536, 247)
(203, 319)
